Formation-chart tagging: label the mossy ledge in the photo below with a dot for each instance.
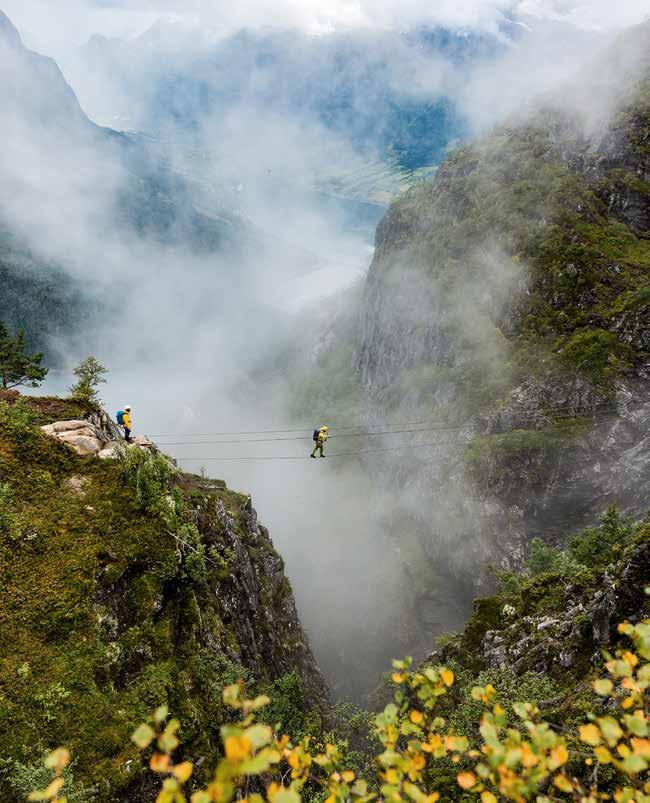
(106, 615)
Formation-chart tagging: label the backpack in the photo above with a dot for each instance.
(316, 433)
(120, 417)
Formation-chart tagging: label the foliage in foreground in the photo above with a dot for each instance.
(527, 760)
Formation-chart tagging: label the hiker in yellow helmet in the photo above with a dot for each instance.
(126, 423)
(320, 436)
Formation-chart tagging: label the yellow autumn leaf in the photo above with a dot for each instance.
(603, 755)
(447, 677)
(237, 748)
(58, 759)
(488, 797)
(466, 780)
(589, 734)
(183, 771)
(563, 783)
(623, 750)
(559, 756)
(54, 788)
(641, 747)
(348, 776)
(416, 717)
(159, 762)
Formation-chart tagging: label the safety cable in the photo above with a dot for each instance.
(386, 425)
(364, 434)
(366, 451)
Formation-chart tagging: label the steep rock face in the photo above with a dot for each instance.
(556, 626)
(508, 299)
(107, 612)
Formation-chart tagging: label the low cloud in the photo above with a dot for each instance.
(71, 22)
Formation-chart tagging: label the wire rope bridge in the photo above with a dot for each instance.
(565, 417)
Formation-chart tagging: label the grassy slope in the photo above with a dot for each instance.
(75, 570)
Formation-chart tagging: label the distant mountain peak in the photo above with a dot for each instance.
(8, 33)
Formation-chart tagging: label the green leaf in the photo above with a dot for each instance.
(143, 736)
(603, 687)
(255, 765)
(610, 729)
(522, 710)
(633, 764)
(286, 796)
(636, 725)
(260, 702)
(259, 735)
(168, 741)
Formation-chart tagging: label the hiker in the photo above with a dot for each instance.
(124, 420)
(320, 436)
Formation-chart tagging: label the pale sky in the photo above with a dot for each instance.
(56, 25)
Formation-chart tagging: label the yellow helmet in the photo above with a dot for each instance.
(325, 429)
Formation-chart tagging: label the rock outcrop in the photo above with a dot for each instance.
(559, 626)
(82, 436)
(96, 435)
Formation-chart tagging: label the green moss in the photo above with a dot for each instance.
(597, 353)
(518, 442)
(100, 622)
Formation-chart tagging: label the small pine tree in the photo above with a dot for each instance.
(16, 367)
(90, 374)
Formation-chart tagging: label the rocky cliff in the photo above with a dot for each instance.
(508, 299)
(108, 610)
(506, 310)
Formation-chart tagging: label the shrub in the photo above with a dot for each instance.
(543, 559)
(526, 762)
(150, 475)
(18, 418)
(22, 778)
(599, 546)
